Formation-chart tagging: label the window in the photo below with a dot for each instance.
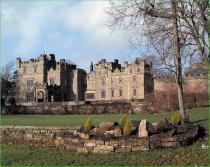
(112, 80)
(130, 70)
(134, 78)
(35, 68)
(120, 92)
(24, 70)
(103, 94)
(30, 97)
(103, 82)
(134, 92)
(29, 82)
(138, 69)
(52, 81)
(120, 80)
(112, 93)
(90, 95)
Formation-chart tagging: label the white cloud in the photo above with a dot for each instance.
(91, 17)
(27, 23)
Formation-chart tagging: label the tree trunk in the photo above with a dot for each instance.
(178, 61)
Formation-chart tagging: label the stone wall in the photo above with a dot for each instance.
(35, 132)
(67, 138)
(64, 137)
(85, 108)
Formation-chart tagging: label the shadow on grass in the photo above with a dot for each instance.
(201, 120)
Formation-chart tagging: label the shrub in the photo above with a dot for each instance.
(123, 119)
(127, 127)
(88, 124)
(176, 118)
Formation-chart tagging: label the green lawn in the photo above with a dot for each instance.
(200, 115)
(25, 155)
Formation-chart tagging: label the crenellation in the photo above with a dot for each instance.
(111, 81)
(44, 79)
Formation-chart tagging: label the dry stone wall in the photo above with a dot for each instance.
(64, 137)
(84, 108)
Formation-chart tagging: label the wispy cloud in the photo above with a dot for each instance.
(73, 30)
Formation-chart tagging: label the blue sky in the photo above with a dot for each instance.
(74, 30)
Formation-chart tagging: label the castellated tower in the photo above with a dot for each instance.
(43, 79)
(111, 81)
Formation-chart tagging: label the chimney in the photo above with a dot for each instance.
(91, 66)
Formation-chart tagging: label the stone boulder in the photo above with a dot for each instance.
(81, 135)
(108, 124)
(109, 132)
(143, 129)
(99, 131)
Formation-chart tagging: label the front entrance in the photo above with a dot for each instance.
(40, 96)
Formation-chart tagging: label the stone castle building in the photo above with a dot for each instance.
(111, 81)
(45, 80)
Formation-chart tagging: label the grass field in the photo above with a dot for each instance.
(200, 115)
(16, 155)
(27, 155)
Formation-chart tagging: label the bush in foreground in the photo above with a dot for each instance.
(127, 128)
(176, 118)
(88, 124)
(123, 119)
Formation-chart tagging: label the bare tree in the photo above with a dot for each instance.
(8, 79)
(168, 28)
(193, 17)
(7, 71)
(178, 59)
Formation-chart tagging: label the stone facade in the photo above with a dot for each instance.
(43, 79)
(111, 81)
(46, 80)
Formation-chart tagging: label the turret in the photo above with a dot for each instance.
(18, 62)
(126, 63)
(115, 61)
